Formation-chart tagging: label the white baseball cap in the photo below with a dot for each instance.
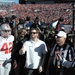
(62, 34)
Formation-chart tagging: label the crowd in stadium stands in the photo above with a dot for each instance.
(33, 21)
(48, 12)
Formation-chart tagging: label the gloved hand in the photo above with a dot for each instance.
(6, 62)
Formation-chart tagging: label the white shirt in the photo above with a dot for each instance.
(34, 51)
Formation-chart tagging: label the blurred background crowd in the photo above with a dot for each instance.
(47, 12)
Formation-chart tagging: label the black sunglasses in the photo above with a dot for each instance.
(33, 32)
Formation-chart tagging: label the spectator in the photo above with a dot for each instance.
(35, 53)
(20, 59)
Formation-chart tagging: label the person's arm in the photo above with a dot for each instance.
(22, 50)
(44, 49)
(65, 63)
(42, 63)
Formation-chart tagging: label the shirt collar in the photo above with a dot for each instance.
(33, 41)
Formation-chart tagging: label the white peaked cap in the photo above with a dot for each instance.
(62, 34)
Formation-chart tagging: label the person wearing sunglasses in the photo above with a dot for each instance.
(35, 53)
(61, 56)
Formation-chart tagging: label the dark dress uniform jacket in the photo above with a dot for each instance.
(63, 67)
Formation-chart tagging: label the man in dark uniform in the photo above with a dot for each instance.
(61, 57)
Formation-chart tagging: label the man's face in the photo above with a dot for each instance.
(5, 33)
(60, 40)
(34, 34)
